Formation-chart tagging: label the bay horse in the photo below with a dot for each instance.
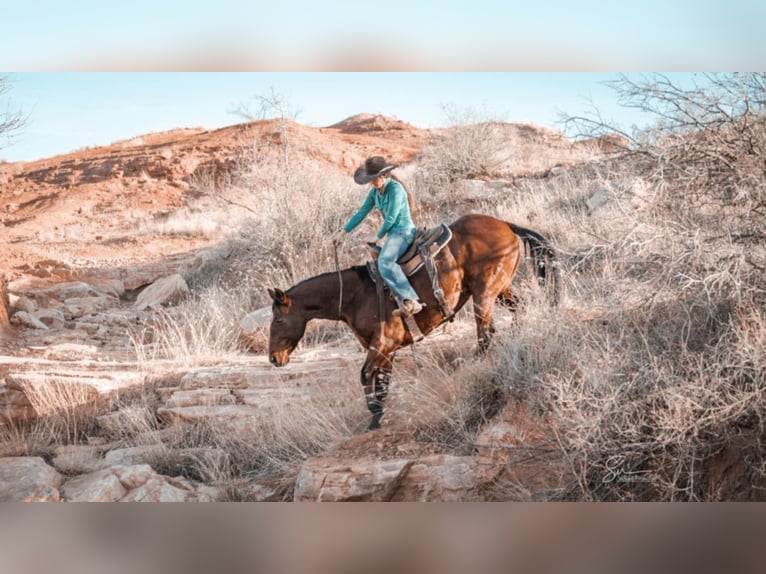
(480, 261)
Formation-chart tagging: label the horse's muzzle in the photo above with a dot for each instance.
(279, 360)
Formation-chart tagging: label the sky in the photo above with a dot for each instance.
(412, 35)
(67, 111)
(88, 72)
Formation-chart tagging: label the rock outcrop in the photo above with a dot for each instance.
(134, 483)
(28, 479)
(163, 291)
(4, 306)
(431, 478)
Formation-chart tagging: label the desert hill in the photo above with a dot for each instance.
(78, 206)
(90, 195)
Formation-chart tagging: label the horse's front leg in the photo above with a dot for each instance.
(375, 378)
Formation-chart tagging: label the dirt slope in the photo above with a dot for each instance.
(71, 206)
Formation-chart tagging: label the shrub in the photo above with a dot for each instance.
(469, 148)
(652, 371)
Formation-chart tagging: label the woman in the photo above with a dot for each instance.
(389, 196)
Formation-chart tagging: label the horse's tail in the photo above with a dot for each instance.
(543, 257)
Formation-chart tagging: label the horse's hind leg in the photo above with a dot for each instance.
(508, 299)
(485, 328)
(375, 378)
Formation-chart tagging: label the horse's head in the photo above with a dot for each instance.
(287, 327)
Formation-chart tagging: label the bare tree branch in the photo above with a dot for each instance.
(11, 120)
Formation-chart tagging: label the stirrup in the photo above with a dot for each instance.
(406, 311)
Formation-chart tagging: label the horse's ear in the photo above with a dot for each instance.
(279, 296)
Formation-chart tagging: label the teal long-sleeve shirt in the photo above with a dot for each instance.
(393, 206)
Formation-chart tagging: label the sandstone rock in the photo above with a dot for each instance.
(131, 456)
(15, 406)
(78, 306)
(434, 478)
(63, 291)
(195, 414)
(330, 479)
(145, 485)
(111, 286)
(49, 396)
(52, 318)
(443, 478)
(134, 483)
(76, 458)
(126, 421)
(92, 330)
(4, 305)
(28, 395)
(28, 479)
(162, 292)
(222, 377)
(70, 352)
(136, 276)
(22, 304)
(274, 398)
(75, 384)
(201, 397)
(24, 319)
(101, 486)
(134, 476)
(515, 427)
(107, 319)
(156, 490)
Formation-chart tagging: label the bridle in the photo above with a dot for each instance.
(340, 281)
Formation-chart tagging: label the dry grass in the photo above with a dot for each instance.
(203, 329)
(650, 368)
(238, 455)
(187, 222)
(445, 408)
(65, 414)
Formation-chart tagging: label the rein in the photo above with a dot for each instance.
(340, 280)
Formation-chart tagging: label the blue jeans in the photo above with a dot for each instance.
(396, 244)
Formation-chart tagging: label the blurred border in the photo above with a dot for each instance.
(487, 35)
(371, 538)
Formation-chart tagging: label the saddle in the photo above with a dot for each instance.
(422, 250)
(429, 241)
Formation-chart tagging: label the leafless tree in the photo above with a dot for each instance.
(264, 106)
(11, 120)
(270, 105)
(706, 151)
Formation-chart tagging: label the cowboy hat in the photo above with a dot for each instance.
(372, 168)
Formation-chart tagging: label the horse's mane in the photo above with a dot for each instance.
(361, 271)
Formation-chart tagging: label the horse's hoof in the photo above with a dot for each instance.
(374, 423)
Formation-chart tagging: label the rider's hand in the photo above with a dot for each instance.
(338, 236)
